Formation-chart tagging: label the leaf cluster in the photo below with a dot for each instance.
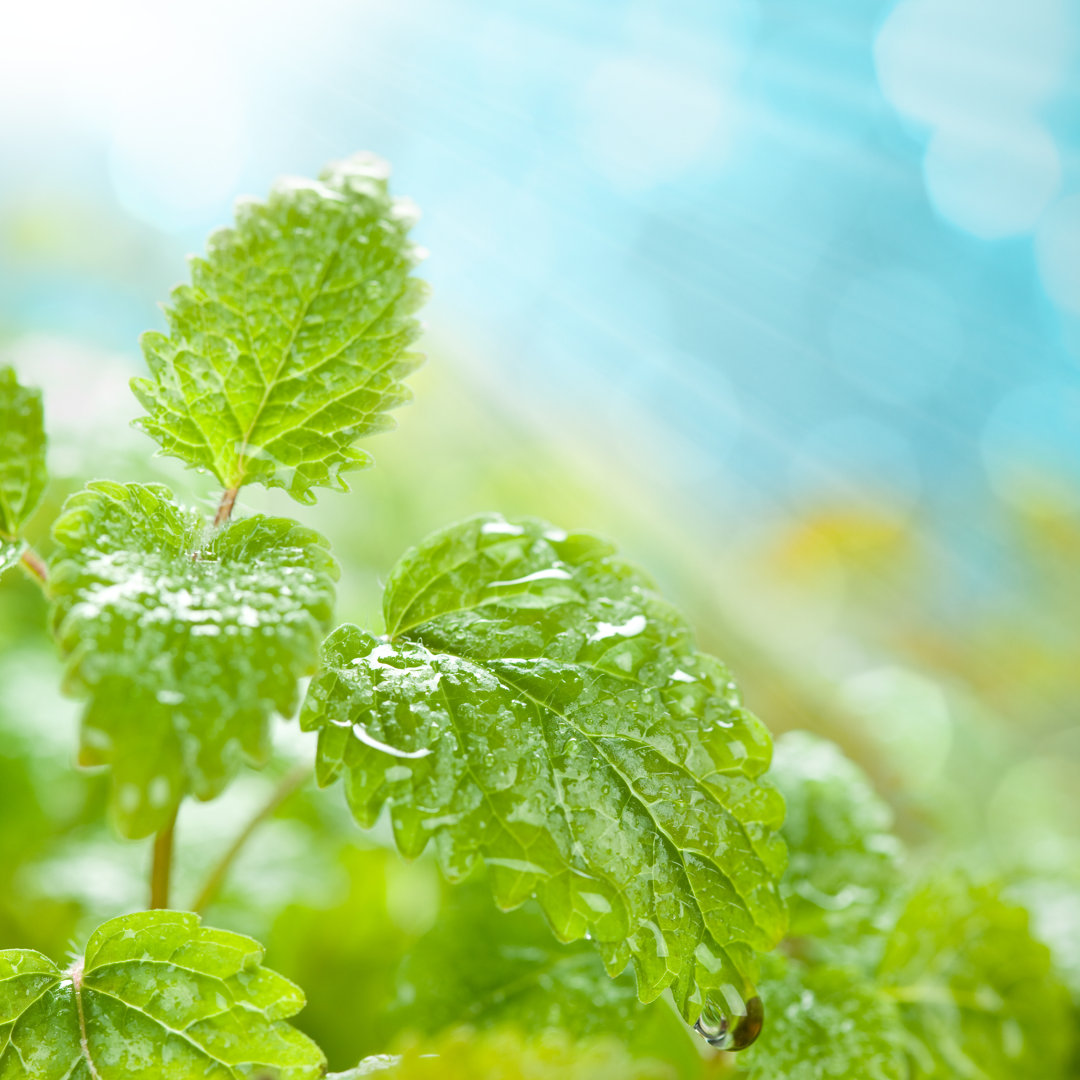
(889, 977)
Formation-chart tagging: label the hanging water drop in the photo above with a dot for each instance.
(732, 1033)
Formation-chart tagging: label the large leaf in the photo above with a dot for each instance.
(22, 460)
(975, 988)
(843, 860)
(537, 705)
(184, 641)
(825, 1022)
(293, 338)
(155, 995)
(483, 969)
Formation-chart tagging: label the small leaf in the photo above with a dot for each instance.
(293, 338)
(843, 860)
(825, 1022)
(22, 458)
(155, 995)
(184, 642)
(486, 970)
(975, 989)
(538, 706)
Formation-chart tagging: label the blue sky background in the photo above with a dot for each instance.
(767, 254)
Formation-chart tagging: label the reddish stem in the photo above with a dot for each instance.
(225, 508)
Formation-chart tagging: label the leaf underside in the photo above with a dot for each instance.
(478, 968)
(22, 459)
(292, 340)
(156, 995)
(184, 642)
(535, 704)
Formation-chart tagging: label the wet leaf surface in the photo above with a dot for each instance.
(22, 461)
(183, 641)
(292, 340)
(155, 995)
(535, 704)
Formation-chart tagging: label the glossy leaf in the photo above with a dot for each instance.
(292, 340)
(537, 705)
(183, 641)
(155, 995)
(22, 458)
(825, 1023)
(976, 990)
(843, 860)
(484, 969)
(510, 1055)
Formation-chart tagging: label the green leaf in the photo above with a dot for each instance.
(155, 995)
(538, 706)
(22, 458)
(510, 1055)
(976, 990)
(379, 1065)
(184, 641)
(486, 970)
(825, 1022)
(10, 553)
(293, 338)
(843, 860)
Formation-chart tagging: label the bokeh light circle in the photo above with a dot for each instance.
(994, 181)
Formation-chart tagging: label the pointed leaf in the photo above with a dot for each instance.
(293, 338)
(184, 642)
(155, 995)
(537, 705)
(22, 458)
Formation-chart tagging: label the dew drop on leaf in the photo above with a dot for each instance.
(731, 1032)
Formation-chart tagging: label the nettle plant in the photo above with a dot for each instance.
(531, 709)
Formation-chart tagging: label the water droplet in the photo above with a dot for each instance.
(731, 1032)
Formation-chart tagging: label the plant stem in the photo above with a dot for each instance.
(225, 507)
(35, 566)
(291, 782)
(161, 870)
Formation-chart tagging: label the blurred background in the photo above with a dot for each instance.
(784, 297)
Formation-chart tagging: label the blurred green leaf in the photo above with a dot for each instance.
(10, 553)
(510, 1055)
(185, 643)
(155, 995)
(537, 705)
(843, 860)
(975, 989)
(292, 339)
(487, 969)
(824, 1022)
(22, 460)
